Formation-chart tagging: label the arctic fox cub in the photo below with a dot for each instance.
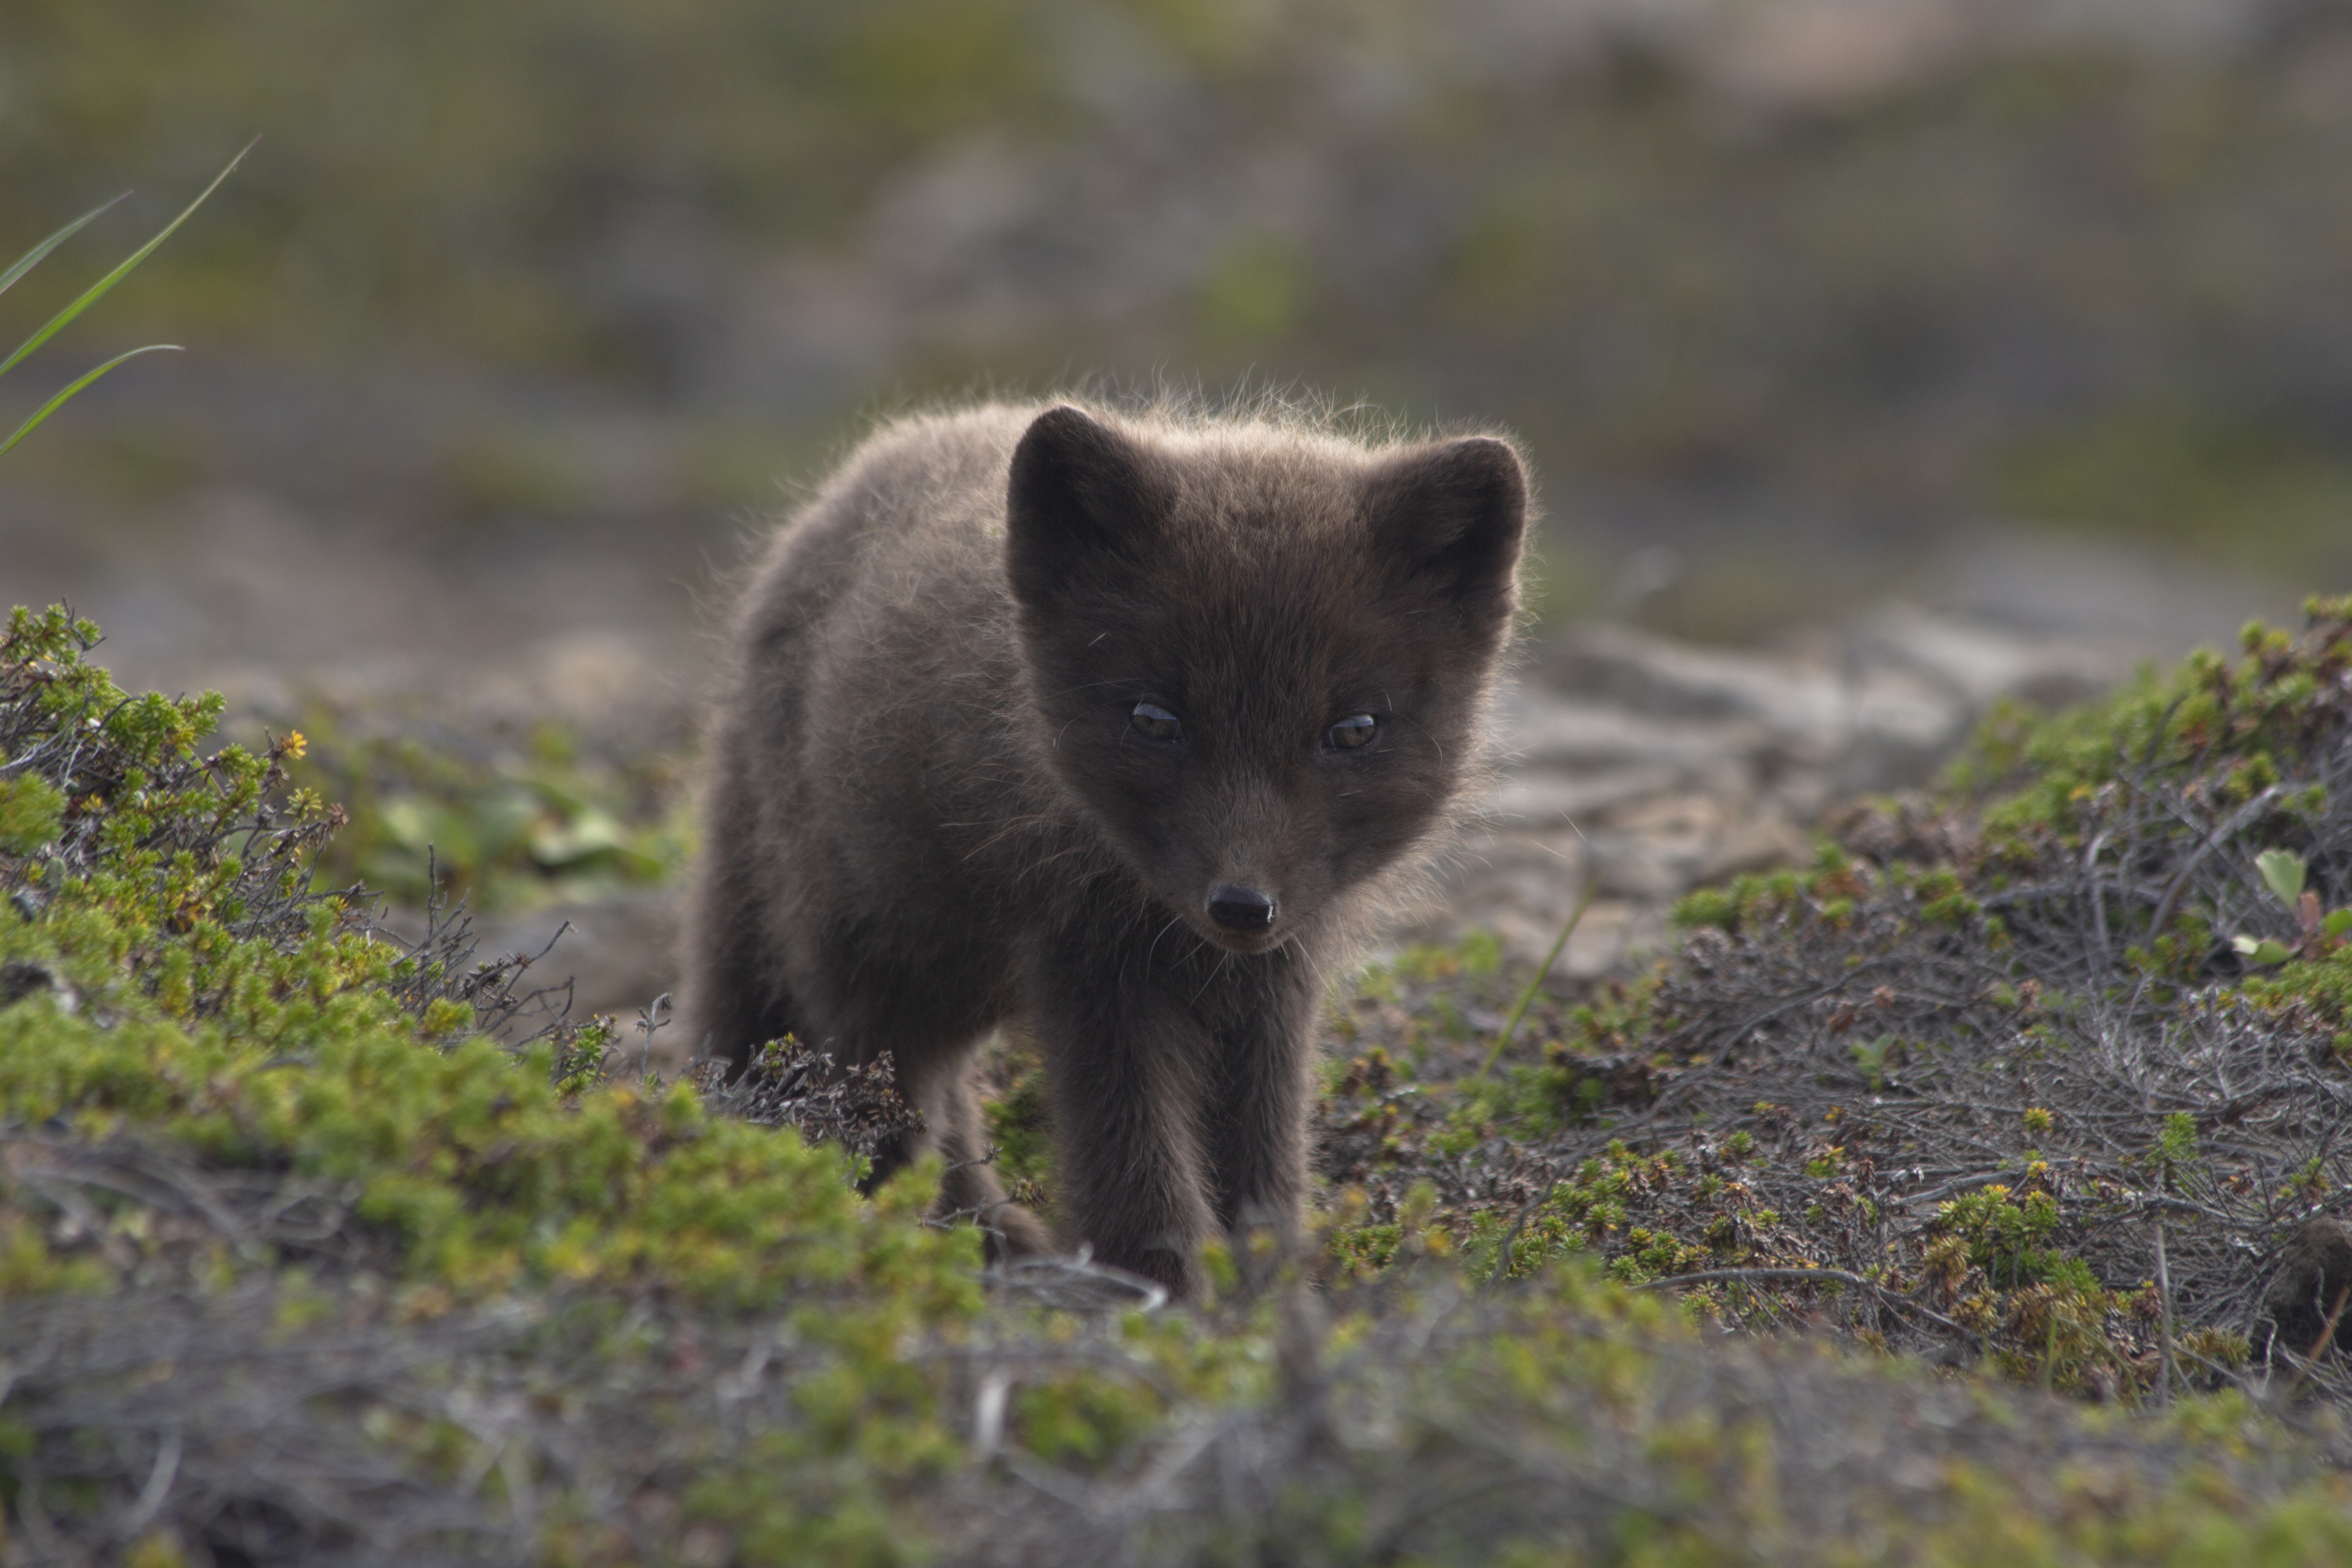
(1120, 728)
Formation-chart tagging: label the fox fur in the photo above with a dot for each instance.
(1121, 728)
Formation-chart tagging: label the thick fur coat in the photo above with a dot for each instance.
(1116, 728)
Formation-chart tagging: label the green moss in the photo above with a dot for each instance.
(31, 812)
(1715, 907)
(2319, 988)
(213, 1009)
(2043, 773)
(1477, 955)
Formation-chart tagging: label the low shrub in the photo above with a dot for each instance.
(2040, 1070)
(297, 1265)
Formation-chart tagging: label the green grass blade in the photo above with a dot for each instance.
(53, 404)
(32, 257)
(98, 289)
(1591, 892)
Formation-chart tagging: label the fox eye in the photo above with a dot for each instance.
(1156, 722)
(1351, 732)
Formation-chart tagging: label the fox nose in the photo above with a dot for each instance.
(1241, 909)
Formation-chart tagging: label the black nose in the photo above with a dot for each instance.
(1241, 909)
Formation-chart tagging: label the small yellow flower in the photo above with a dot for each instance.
(295, 745)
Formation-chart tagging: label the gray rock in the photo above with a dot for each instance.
(1657, 677)
(1654, 766)
(1977, 663)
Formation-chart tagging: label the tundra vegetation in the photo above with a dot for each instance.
(1958, 1198)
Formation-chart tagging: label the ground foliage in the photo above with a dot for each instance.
(191, 878)
(499, 821)
(295, 1265)
(2049, 1067)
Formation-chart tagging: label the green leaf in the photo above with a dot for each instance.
(2284, 874)
(590, 834)
(32, 257)
(2339, 923)
(53, 404)
(98, 290)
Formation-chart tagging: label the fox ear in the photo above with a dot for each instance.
(1080, 492)
(1453, 515)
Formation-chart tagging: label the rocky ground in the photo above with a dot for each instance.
(1654, 766)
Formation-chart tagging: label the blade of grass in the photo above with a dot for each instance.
(97, 291)
(53, 404)
(32, 257)
(1591, 892)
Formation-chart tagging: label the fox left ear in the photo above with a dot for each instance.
(1081, 497)
(1454, 515)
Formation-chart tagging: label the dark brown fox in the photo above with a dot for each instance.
(1120, 728)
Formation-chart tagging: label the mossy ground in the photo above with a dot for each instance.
(295, 1264)
(2038, 1071)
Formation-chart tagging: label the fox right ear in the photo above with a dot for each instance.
(1080, 492)
(1454, 515)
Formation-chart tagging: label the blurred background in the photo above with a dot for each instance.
(2030, 315)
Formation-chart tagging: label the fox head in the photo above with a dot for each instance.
(1261, 659)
